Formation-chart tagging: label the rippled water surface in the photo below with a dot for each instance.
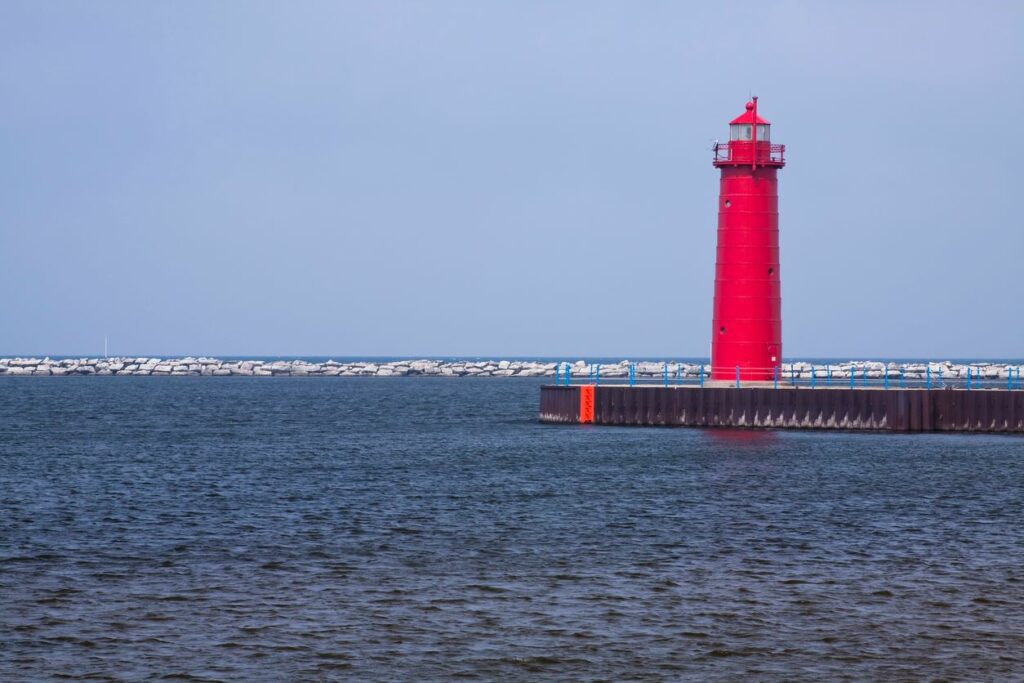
(424, 529)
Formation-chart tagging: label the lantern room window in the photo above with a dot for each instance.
(743, 132)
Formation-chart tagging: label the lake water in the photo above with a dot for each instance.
(428, 528)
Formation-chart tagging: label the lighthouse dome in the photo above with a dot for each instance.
(749, 116)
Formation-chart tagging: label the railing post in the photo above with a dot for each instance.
(792, 374)
(903, 377)
(737, 377)
(1008, 376)
(968, 379)
(701, 375)
(813, 381)
(679, 373)
(597, 374)
(928, 374)
(864, 376)
(853, 376)
(828, 375)
(632, 374)
(886, 376)
(775, 377)
(665, 370)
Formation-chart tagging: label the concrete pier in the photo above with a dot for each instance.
(897, 410)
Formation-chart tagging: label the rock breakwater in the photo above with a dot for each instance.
(214, 367)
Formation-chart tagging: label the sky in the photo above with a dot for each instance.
(501, 178)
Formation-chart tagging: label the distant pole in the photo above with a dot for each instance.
(737, 377)
(903, 377)
(828, 375)
(775, 377)
(665, 370)
(813, 384)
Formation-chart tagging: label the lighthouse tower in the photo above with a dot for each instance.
(747, 319)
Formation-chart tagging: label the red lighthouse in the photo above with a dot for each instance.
(747, 327)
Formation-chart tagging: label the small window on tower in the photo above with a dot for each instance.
(741, 132)
(762, 132)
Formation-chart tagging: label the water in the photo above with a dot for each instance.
(425, 529)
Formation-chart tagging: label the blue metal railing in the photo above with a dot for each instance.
(806, 376)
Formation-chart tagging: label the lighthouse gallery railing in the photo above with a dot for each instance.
(740, 151)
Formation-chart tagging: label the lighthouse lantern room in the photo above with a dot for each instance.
(747, 318)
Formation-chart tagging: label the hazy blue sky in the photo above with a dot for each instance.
(528, 178)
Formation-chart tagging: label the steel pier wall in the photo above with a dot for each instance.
(560, 404)
(900, 410)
